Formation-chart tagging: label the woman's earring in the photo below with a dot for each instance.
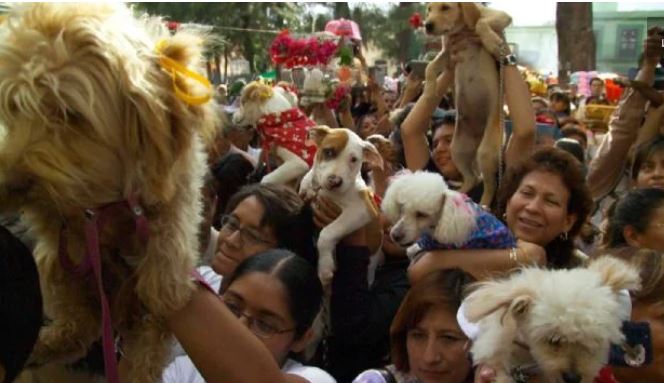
(505, 216)
(564, 236)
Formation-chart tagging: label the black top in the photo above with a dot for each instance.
(361, 315)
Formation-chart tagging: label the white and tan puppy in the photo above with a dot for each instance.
(555, 324)
(336, 175)
(477, 136)
(282, 127)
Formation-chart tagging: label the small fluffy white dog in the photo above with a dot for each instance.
(282, 127)
(421, 202)
(336, 175)
(558, 322)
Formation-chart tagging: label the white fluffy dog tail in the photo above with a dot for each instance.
(457, 220)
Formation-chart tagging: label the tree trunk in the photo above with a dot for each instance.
(226, 64)
(404, 36)
(576, 41)
(217, 66)
(341, 10)
(208, 67)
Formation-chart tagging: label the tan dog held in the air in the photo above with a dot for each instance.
(477, 136)
(99, 108)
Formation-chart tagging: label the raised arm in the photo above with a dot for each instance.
(606, 168)
(414, 128)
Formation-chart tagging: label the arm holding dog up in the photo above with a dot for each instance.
(608, 164)
(482, 264)
(416, 124)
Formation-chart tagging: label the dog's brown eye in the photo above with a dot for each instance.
(353, 159)
(328, 153)
(445, 8)
(419, 214)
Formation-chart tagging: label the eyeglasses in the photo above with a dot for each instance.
(230, 224)
(258, 326)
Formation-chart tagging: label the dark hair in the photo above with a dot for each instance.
(559, 251)
(446, 118)
(444, 287)
(572, 147)
(290, 219)
(635, 209)
(644, 152)
(570, 129)
(231, 172)
(299, 277)
(20, 304)
(595, 79)
(560, 96)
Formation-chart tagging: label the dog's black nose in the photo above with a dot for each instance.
(571, 377)
(397, 237)
(334, 182)
(429, 27)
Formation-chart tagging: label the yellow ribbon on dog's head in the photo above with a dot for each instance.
(175, 69)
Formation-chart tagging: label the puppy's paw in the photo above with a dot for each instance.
(326, 270)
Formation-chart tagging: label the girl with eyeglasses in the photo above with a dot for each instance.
(276, 295)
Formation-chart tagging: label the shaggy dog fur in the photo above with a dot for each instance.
(90, 117)
(563, 321)
(421, 202)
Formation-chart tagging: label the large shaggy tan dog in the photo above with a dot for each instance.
(92, 102)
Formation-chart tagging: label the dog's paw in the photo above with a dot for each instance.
(326, 270)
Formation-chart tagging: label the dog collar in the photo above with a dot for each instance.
(95, 219)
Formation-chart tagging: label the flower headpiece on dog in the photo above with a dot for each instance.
(175, 69)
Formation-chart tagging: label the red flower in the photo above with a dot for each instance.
(291, 52)
(415, 20)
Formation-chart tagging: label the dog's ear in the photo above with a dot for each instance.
(470, 13)
(318, 133)
(256, 92)
(371, 156)
(616, 274)
(489, 297)
(520, 306)
(457, 219)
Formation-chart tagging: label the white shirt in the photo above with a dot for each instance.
(182, 370)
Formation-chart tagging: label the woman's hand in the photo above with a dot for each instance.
(652, 47)
(412, 88)
(528, 252)
(325, 211)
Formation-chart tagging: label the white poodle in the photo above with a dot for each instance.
(557, 324)
(421, 204)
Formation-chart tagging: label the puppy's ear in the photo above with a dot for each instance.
(616, 273)
(256, 92)
(470, 13)
(371, 156)
(457, 220)
(318, 133)
(489, 297)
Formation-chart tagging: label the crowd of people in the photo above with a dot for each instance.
(389, 319)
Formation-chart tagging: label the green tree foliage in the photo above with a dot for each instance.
(225, 17)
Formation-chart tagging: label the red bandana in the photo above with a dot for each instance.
(288, 129)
